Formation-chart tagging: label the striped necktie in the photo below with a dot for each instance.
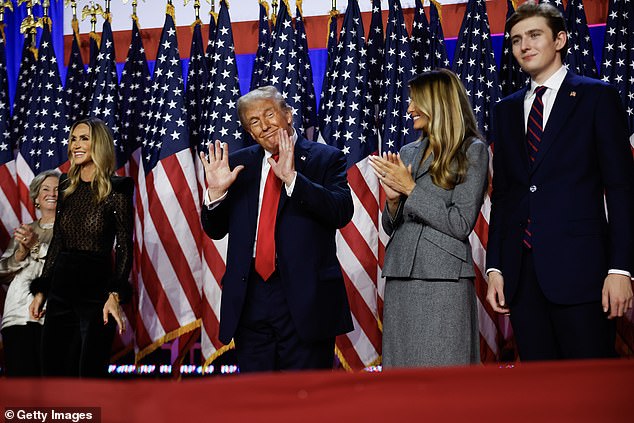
(534, 132)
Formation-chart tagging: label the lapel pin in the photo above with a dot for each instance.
(573, 93)
(303, 158)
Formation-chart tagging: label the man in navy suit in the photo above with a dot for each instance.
(283, 294)
(554, 261)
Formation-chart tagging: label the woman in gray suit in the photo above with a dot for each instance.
(434, 189)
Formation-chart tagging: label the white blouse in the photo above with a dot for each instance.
(16, 305)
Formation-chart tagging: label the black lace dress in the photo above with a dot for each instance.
(89, 257)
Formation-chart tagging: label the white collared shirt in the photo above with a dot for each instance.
(553, 84)
(264, 173)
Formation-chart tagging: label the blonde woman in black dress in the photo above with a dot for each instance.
(83, 282)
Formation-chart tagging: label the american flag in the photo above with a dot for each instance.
(580, 57)
(283, 72)
(197, 81)
(475, 64)
(21, 98)
(420, 39)
(222, 124)
(76, 96)
(396, 129)
(168, 226)
(617, 69)
(559, 4)
(211, 36)
(376, 53)
(105, 91)
(306, 87)
(134, 90)
(89, 79)
(10, 210)
(330, 65)
(44, 143)
(512, 77)
(437, 48)
(264, 37)
(221, 120)
(349, 119)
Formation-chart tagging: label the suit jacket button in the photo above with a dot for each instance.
(532, 188)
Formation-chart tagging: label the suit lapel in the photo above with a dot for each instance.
(418, 167)
(517, 126)
(565, 103)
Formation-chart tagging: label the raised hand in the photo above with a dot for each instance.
(217, 173)
(284, 168)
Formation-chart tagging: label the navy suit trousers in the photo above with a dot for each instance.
(266, 338)
(548, 331)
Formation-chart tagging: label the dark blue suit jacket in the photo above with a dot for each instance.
(584, 154)
(305, 239)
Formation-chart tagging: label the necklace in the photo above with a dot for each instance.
(45, 226)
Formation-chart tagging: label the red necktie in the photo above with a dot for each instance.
(534, 132)
(265, 248)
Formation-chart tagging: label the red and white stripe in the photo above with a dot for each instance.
(169, 243)
(358, 252)
(214, 255)
(24, 177)
(10, 210)
(495, 329)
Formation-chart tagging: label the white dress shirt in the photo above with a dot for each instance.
(265, 171)
(548, 98)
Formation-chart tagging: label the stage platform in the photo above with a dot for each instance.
(578, 391)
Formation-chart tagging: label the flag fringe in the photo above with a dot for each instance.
(170, 10)
(166, 338)
(266, 6)
(195, 23)
(75, 25)
(219, 352)
(96, 37)
(334, 14)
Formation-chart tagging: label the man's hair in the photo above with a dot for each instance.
(530, 9)
(268, 92)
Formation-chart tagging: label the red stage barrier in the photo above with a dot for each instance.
(592, 391)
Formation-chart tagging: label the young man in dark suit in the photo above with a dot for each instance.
(554, 261)
(281, 202)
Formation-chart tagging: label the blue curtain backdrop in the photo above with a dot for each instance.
(318, 57)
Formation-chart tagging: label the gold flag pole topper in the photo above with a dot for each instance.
(5, 4)
(92, 10)
(30, 23)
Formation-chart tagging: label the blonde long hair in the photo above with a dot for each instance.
(102, 153)
(451, 126)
